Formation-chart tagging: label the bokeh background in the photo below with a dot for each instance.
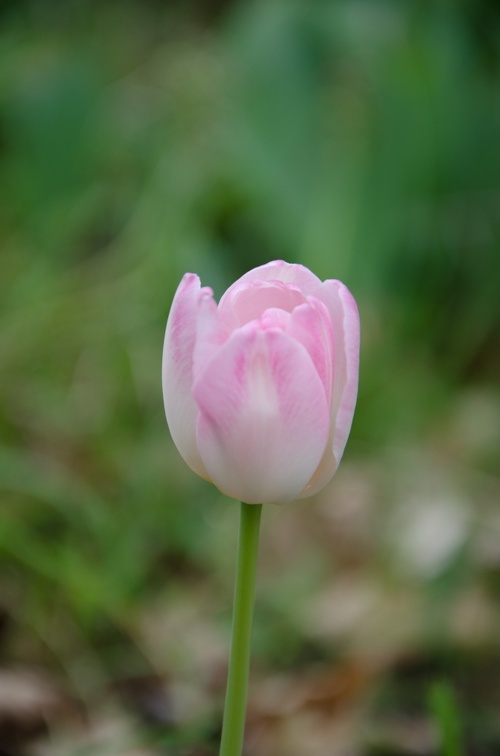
(139, 140)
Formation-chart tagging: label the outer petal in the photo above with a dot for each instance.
(345, 319)
(177, 369)
(264, 419)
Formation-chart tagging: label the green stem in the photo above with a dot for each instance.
(233, 725)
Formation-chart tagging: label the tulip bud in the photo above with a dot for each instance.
(260, 389)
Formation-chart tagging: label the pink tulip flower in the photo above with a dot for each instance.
(260, 389)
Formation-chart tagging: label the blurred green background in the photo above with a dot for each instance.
(140, 140)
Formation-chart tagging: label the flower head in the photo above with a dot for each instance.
(260, 389)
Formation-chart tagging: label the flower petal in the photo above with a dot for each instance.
(287, 273)
(264, 419)
(177, 369)
(345, 319)
(310, 324)
(211, 331)
(246, 301)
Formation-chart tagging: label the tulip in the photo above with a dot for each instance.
(260, 389)
(259, 395)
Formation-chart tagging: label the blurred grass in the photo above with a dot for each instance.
(138, 141)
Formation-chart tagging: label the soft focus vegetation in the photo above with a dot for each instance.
(139, 140)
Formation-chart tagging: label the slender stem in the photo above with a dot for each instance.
(233, 725)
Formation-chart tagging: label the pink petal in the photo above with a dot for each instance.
(264, 419)
(211, 332)
(177, 369)
(275, 318)
(345, 319)
(246, 301)
(287, 273)
(310, 324)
